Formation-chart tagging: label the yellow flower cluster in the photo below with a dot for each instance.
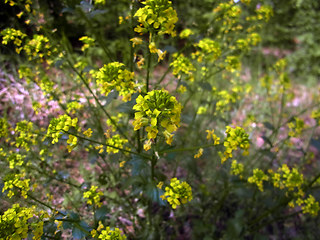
(73, 107)
(115, 141)
(296, 127)
(11, 34)
(15, 223)
(25, 136)
(136, 41)
(157, 108)
(199, 153)
(59, 125)
(182, 65)
(236, 168)
(177, 193)
(232, 63)
(13, 181)
(310, 206)
(258, 177)
(38, 48)
(225, 99)
(292, 181)
(286, 178)
(115, 119)
(210, 50)
(107, 233)
(15, 159)
(88, 132)
(229, 14)
(93, 196)
(87, 42)
(3, 127)
(185, 33)
(236, 137)
(264, 13)
(212, 135)
(157, 17)
(114, 76)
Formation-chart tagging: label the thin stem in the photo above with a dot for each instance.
(107, 145)
(188, 148)
(148, 70)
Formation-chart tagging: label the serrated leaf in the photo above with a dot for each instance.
(154, 193)
(101, 213)
(139, 166)
(78, 233)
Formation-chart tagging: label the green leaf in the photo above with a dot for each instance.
(268, 125)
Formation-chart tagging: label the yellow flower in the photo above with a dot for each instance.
(88, 132)
(177, 193)
(136, 41)
(121, 164)
(199, 154)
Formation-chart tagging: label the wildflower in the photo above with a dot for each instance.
(115, 234)
(258, 177)
(296, 127)
(117, 142)
(93, 196)
(233, 63)
(11, 34)
(72, 141)
(15, 159)
(264, 13)
(88, 132)
(60, 125)
(201, 110)
(121, 164)
(120, 20)
(102, 2)
(185, 33)
(17, 222)
(199, 154)
(182, 89)
(153, 49)
(159, 185)
(3, 127)
(311, 206)
(158, 110)
(182, 65)
(38, 47)
(88, 42)
(236, 137)
(236, 168)
(74, 106)
(209, 50)
(136, 41)
(25, 136)
(177, 193)
(157, 17)
(212, 135)
(16, 181)
(114, 76)
(147, 145)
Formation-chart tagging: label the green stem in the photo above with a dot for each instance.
(188, 148)
(148, 70)
(107, 145)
